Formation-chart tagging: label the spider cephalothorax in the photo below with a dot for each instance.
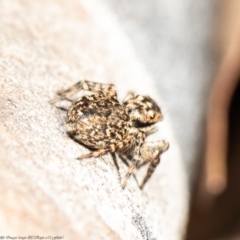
(101, 122)
(142, 110)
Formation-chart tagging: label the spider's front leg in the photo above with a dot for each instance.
(149, 129)
(100, 88)
(139, 137)
(130, 172)
(151, 152)
(151, 169)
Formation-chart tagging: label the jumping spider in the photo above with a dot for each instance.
(102, 123)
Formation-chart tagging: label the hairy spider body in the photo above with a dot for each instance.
(100, 122)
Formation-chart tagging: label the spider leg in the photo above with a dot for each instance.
(101, 88)
(116, 164)
(142, 164)
(130, 171)
(94, 154)
(124, 160)
(62, 108)
(149, 129)
(115, 161)
(163, 146)
(99, 152)
(150, 171)
(150, 152)
(130, 94)
(140, 138)
(60, 98)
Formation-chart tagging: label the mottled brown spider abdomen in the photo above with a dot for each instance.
(97, 121)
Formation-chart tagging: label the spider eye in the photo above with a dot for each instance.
(129, 111)
(153, 116)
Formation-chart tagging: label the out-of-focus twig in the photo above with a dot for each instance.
(220, 97)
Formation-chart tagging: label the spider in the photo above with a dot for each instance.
(101, 123)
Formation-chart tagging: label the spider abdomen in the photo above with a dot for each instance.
(97, 121)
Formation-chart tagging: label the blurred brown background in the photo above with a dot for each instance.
(215, 210)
